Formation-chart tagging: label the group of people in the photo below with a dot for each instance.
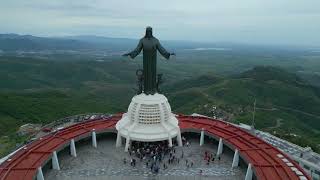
(158, 154)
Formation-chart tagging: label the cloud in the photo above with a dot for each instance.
(249, 21)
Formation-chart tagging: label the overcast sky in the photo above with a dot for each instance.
(295, 22)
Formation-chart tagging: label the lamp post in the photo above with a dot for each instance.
(254, 112)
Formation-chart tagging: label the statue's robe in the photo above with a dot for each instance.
(150, 46)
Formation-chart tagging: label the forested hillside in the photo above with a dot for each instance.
(40, 91)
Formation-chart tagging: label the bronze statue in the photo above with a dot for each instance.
(149, 44)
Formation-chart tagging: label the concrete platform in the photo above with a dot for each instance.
(106, 162)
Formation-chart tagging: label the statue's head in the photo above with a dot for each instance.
(148, 32)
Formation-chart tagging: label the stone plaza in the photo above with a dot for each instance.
(106, 162)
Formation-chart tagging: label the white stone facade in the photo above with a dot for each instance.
(148, 119)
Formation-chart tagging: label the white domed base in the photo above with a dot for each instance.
(148, 119)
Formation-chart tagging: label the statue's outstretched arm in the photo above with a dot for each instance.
(163, 51)
(136, 51)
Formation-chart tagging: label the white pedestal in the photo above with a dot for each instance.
(148, 119)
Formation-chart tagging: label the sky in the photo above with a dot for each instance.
(290, 22)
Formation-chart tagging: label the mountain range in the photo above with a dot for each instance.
(77, 76)
(16, 42)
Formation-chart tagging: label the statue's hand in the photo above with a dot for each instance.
(126, 54)
(172, 54)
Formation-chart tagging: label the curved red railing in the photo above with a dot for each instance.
(263, 156)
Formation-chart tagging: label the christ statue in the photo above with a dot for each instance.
(150, 45)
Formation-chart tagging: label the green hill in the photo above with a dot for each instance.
(285, 103)
(40, 91)
(268, 73)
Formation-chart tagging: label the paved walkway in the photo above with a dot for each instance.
(106, 162)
